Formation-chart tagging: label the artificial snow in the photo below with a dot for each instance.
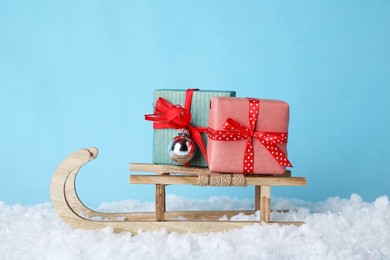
(335, 229)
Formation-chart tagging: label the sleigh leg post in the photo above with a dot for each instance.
(265, 203)
(160, 202)
(257, 197)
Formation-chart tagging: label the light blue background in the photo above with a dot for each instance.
(76, 74)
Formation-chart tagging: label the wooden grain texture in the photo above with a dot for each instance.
(69, 207)
(176, 169)
(162, 168)
(257, 197)
(265, 203)
(160, 202)
(250, 180)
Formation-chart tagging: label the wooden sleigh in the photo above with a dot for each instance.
(69, 207)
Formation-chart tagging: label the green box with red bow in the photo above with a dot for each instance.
(178, 109)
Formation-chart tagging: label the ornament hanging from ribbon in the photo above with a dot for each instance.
(234, 131)
(181, 149)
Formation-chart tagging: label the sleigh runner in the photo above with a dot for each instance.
(69, 207)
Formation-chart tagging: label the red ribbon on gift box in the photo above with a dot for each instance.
(234, 131)
(167, 115)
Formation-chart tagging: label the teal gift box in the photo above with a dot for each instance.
(200, 107)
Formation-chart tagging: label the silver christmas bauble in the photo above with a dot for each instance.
(182, 148)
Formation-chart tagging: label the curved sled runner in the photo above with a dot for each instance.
(69, 207)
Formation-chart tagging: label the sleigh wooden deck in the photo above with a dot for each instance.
(69, 207)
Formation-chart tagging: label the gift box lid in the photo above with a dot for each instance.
(273, 114)
(200, 101)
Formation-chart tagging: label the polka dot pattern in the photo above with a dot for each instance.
(234, 131)
(249, 157)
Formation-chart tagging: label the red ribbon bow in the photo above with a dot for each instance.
(167, 115)
(234, 131)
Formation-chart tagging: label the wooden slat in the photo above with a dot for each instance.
(164, 168)
(209, 215)
(296, 223)
(170, 215)
(276, 181)
(169, 226)
(250, 180)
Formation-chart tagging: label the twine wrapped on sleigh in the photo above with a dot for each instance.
(216, 179)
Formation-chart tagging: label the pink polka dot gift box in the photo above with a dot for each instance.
(248, 135)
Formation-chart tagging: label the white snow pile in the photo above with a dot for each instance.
(335, 229)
